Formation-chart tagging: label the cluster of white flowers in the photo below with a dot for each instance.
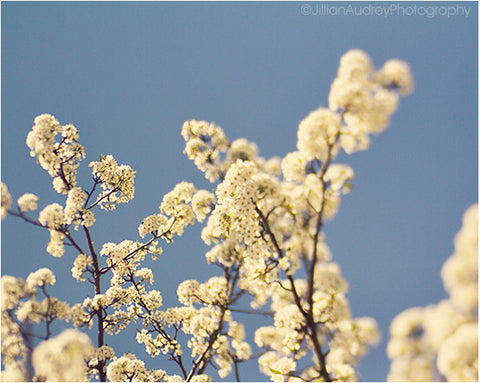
(294, 166)
(318, 133)
(212, 152)
(53, 217)
(60, 159)
(128, 368)
(441, 341)
(347, 338)
(366, 98)
(177, 204)
(236, 197)
(75, 211)
(155, 223)
(214, 292)
(14, 351)
(351, 342)
(205, 143)
(27, 202)
(396, 74)
(460, 271)
(124, 259)
(179, 209)
(40, 278)
(63, 358)
(34, 311)
(116, 181)
(80, 265)
(203, 203)
(203, 328)
(6, 201)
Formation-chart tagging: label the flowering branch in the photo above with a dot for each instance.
(264, 221)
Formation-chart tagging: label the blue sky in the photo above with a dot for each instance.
(128, 74)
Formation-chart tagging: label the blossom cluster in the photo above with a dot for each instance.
(60, 158)
(213, 153)
(117, 182)
(286, 344)
(6, 200)
(366, 98)
(440, 342)
(63, 358)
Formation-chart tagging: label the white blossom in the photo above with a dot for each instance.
(27, 202)
(6, 200)
(317, 134)
(202, 203)
(117, 182)
(52, 216)
(74, 204)
(63, 358)
(61, 159)
(12, 291)
(396, 73)
(14, 372)
(205, 142)
(460, 271)
(458, 355)
(153, 223)
(80, 265)
(294, 166)
(41, 277)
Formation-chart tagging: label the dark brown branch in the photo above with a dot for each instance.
(97, 275)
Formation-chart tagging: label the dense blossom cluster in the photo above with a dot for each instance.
(366, 98)
(60, 158)
(213, 153)
(53, 217)
(116, 181)
(27, 202)
(264, 224)
(75, 211)
(63, 358)
(6, 200)
(441, 341)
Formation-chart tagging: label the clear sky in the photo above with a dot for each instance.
(128, 74)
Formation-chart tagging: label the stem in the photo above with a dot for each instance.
(318, 226)
(237, 374)
(89, 194)
(25, 218)
(106, 196)
(35, 223)
(144, 246)
(245, 311)
(97, 275)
